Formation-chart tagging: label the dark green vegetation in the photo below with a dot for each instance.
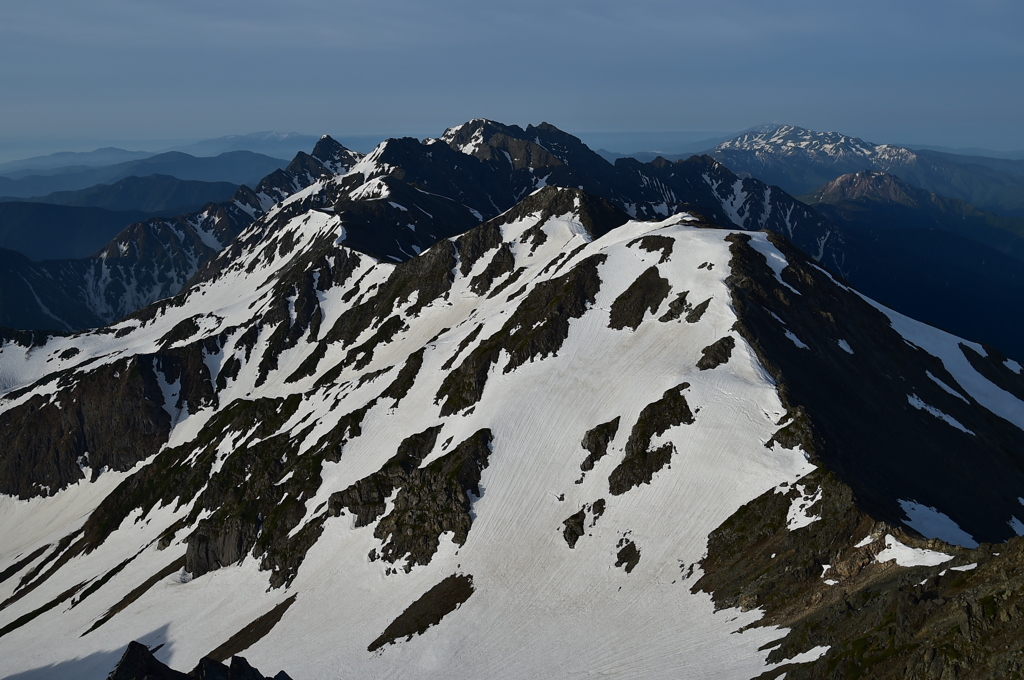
(880, 620)
(640, 462)
(427, 611)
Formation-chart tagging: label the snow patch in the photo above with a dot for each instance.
(776, 260)
(799, 514)
(796, 341)
(919, 404)
(947, 388)
(931, 523)
(905, 556)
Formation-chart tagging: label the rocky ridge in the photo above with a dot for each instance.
(401, 451)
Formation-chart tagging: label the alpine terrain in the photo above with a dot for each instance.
(442, 187)
(800, 160)
(479, 407)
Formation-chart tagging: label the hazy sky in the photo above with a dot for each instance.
(945, 72)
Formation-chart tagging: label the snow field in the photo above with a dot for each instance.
(540, 608)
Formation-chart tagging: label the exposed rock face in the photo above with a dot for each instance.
(342, 435)
(111, 418)
(428, 610)
(138, 663)
(641, 462)
(831, 583)
(870, 432)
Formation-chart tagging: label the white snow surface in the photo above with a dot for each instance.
(539, 608)
(905, 556)
(920, 405)
(947, 348)
(931, 523)
(800, 514)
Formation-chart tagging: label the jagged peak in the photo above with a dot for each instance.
(334, 156)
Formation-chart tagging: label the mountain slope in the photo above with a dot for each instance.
(151, 194)
(236, 167)
(936, 259)
(148, 260)
(407, 195)
(800, 160)
(41, 231)
(350, 443)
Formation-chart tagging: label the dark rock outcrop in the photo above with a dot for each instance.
(138, 663)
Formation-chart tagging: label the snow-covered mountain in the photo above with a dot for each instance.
(148, 260)
(503, 455)
(800, 160)
(398, 200)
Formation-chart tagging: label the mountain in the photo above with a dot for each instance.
(936, 259)
(100, 157)
(275, 144)
(236, 167)
(153, 194)
(148, 260)
(41, 231)
(407, 195)
(561, 443)
(915, 208)
(987, 154)
(800, 160)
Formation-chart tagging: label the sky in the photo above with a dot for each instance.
(75, 75)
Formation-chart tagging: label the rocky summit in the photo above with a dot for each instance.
(429, 415)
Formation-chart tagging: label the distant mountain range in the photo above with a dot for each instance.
(800, 160)
(154, 194)
(70, 159)
(275, 144)
(236, 167)
(432, 191)
(934, 258)
(439, 412)
(42, 231)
